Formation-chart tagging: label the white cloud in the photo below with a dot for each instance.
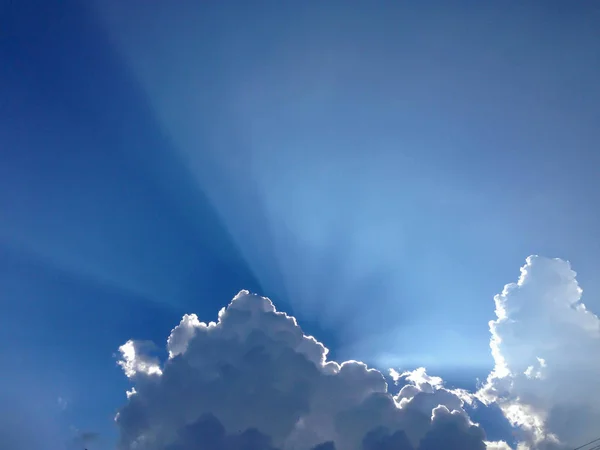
(135, 359)
(497, 446)
(253, 380)
(546, 345)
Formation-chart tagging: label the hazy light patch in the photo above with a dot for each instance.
(405, 348)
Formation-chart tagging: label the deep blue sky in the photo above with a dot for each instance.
(381, 171)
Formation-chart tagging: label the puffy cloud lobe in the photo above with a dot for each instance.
(544, 343)
(448, 431)
(452, 431)
(135, 359)
(253, 380)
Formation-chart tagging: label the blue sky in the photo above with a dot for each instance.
(380, 171)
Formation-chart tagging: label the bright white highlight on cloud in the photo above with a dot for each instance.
(546, 347)
(134, 359)
(253, 380)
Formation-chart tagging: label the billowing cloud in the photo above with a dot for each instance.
(253, 380)
(545, 344)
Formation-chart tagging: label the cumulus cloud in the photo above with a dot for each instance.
(253, 380)
(545, 344)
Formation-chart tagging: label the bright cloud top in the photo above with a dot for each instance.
(545, 344)
(253, 380)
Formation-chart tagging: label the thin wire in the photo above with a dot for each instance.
(596, 447)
